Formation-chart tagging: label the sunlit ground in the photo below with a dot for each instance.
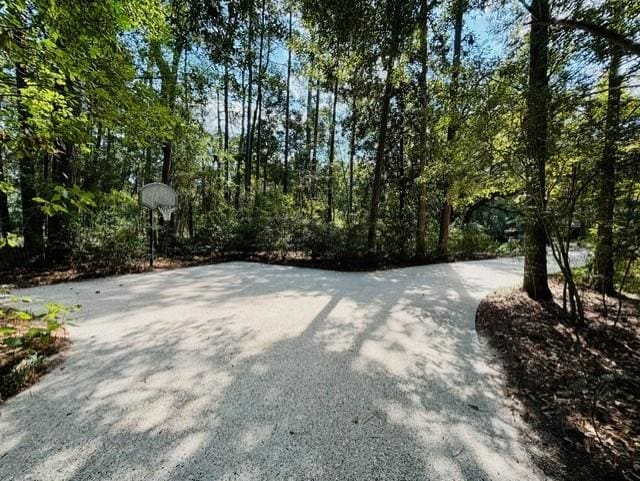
(250, 372)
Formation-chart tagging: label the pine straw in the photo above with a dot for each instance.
(580, 387)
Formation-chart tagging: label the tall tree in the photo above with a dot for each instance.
(285, 180)
(5, 219)
(307, 132)
(249, 132)
(423, 126)
(332, 148)
(227, 159)
(395, 13)
(316, 131)
(607, 178)
(537, 152)
(352, 154)
(168, 91)
(257, 118)
(32, 219)
(454, 120)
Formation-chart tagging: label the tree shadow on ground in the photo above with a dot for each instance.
(245, 371)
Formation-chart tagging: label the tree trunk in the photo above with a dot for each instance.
(226, 108)
(536, 132)
(217, 157)
(91, 177)
(352, 155)
(332, 142)
(307, 125)
(258, 112)
(314, 160)
(169, 83)
(190, 223)
(227, 160)
(5, 219)
(401, 168)
(266, 156)
(249, 133)
(421, 230)
(59, 231)
(454, 123)
(376, 188)
(306, 167)
(219, 119)
(167, 148)
(236, 200)
(603, 261)
(285, 180)
(32, 217)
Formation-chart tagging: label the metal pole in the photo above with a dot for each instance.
(150, 237)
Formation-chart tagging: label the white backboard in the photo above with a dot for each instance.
(157, 194)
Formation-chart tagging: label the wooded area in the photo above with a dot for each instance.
(354, 134)
(375, 130)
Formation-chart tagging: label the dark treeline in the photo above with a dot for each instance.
(378, 130)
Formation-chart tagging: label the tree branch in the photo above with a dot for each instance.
(623, 43)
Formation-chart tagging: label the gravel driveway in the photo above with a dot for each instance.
(245, 371)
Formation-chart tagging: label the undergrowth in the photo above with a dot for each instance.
(27, 340)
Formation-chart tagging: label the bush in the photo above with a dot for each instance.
(25, 340)
(271, 224)
(512, 247)
(321, 239)
(469, 241)
(218, 231)
(113, 234)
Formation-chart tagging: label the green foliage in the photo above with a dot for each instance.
(134, 91)
(25, 340)
(10, 240)
(113, 234)
(21, 328)
(6, 187)
(632, 280)
(17, 376)
(512, 247)
(217, 232)
(270, 225)
(469, 241)
(66, 201)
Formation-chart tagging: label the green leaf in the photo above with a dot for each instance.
(37, 332)
(23, 315)
(13, 342)
(5, 331)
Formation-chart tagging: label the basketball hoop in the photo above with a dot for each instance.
(166, 211)
(157, 196)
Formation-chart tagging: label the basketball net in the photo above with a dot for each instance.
(166, 211)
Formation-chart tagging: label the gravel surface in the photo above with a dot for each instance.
(246, 371)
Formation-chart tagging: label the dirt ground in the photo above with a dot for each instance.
(580, 386)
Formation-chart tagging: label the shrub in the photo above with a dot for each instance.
(270, 225)
(218, 231)
(469, 241)
(113, 234)
(25, 340)
(512, 247)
